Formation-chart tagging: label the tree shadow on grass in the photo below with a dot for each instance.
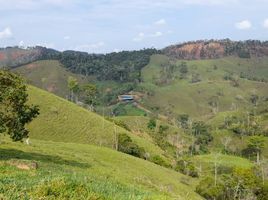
(7, 154)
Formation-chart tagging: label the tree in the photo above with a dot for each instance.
(203, 136)
(226, 141)
(151, 124)
(90, 91)
(73, 87)
(256, 144)
(15, 113)
(183, 68)
(183, 120)
(209, 190)
(195, 78)
(254, 99)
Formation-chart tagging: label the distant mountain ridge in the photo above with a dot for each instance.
(15, 56)
(211, 49)
(194, 50)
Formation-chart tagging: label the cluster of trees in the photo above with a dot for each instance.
(252, 77)
(200, 132)
(234, 80)
(171, 71)
(124, 66)
(187, 167)
(15, 113)
(166, 74)
(86, 93)
(244, 125)
(239, 184)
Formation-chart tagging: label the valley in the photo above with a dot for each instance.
(197, 126)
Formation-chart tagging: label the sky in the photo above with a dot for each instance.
(102, 26)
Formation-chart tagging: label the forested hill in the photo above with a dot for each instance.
(211, 49)
(126, 66)
(123, 66)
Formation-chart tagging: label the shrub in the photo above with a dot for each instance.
(262, 192)
(126, 145)
(209, 190)
(163, 128)
(151, 124)
(186, 167)
(159, 161)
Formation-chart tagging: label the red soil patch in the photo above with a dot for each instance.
(51, 88)
(15, 55)
(31, 66)
(2, 56)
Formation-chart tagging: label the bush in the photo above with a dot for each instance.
(159, 161)
(122, 124)
(186, 167)
(163, 128)
(209, 190)
(151, 124)
(126, 145)
(262, 192)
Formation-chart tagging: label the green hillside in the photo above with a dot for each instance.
(78, 171)
(208, 86)
(63, 121)
(49, 75)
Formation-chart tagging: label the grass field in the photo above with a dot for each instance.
(182, 96)
(80, 171)
(226, 163)
(63, 121)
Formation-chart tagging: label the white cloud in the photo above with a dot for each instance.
(46, 44)
(21, 43)
(116, 50)
(160, 22)
(90, 47)
(67, 37)
(139, 37)
(157, 34)
(33, 4)
(211, 2)
(243, 25)
(6, 33)
(265, 23)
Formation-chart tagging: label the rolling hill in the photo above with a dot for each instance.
(208, 86)
(80, 171)
(49, 75)
(63, 121)
(219, 89)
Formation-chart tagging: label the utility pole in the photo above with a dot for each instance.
(115, 138)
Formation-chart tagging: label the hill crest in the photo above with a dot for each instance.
(211, 49)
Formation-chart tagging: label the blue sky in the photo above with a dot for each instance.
(102, 26)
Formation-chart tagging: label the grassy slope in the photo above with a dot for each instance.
(181, 96)
(63, 121)
(49, 75)
(80, 169)
(236, 142)
(205, 164)
(138, 125)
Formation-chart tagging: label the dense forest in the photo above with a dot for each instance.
(124, 66)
